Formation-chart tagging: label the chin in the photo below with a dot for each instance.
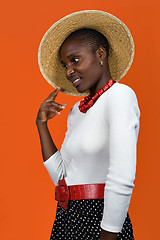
(83, 90)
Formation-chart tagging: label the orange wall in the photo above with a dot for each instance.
(27, 192)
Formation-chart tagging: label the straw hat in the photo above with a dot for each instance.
(118, 35)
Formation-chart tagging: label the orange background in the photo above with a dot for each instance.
(27, 205)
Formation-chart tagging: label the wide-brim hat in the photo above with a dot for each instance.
(120, 40)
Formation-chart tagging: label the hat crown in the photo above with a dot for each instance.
(118, 35)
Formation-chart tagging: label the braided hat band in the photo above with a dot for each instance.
(120, 40)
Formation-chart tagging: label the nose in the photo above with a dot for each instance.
(69, 72)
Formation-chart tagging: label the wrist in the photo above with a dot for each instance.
(105, 235)
(41, 122)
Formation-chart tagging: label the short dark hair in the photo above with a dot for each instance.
(91, 37)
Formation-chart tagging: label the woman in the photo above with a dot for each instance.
(95, 169)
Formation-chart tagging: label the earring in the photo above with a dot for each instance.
(101, 63)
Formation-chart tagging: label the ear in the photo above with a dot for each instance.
(101, 53)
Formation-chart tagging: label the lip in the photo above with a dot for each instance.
(76, 82)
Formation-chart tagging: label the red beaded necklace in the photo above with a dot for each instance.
(84, 106)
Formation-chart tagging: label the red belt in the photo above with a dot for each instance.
(64, 193)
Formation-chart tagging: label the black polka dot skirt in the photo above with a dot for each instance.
(82, 221)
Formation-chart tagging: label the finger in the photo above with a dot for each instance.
(56, 92)
(50, 110)
(53, 94)
(58, 106)
(54, 110)
(64, 104)
(53, 104)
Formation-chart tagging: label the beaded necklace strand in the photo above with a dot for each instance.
(84, 106)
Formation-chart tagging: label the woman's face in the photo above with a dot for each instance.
(83, 66)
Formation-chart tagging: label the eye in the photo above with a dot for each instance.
(64, 65)
(75, 60)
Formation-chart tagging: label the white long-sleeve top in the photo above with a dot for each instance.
(100, 147)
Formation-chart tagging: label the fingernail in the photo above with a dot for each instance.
(63, 107)
(58, 113)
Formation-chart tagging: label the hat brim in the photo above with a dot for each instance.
(120, 40)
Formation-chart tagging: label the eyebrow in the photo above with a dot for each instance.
(70, 56)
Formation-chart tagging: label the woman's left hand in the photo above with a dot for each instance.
(105, 235)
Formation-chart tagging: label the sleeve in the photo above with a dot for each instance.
(123, 119)
(55, 164)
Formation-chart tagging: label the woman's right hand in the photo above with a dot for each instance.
(49, 108)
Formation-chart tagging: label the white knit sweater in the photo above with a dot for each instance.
(100, 147)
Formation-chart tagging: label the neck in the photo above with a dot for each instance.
(88, 101)
(100, 84)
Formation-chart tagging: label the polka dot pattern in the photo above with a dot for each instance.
(82, 221)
